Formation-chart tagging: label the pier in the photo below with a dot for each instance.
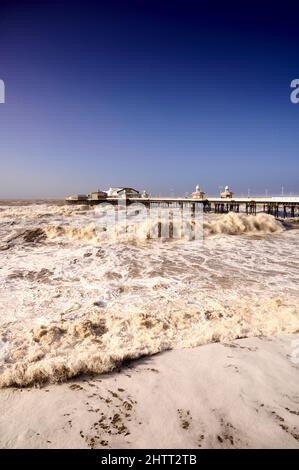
(279, 207)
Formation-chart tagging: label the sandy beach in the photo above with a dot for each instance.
(243, 394)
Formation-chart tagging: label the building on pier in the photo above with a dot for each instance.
(227, 193)
(123, 192)
(96, 195)
(198, 194)
(77, 198)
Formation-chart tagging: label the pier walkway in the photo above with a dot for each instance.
(276, 206)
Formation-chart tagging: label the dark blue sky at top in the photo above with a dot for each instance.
(155, 95)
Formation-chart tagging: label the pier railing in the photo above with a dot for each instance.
(277, 206)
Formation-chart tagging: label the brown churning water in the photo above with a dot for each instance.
(78, 299)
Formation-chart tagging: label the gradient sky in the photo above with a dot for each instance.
(155, 95)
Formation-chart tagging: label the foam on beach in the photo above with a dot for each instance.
(61, 350)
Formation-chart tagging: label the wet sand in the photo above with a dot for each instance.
(244, 394)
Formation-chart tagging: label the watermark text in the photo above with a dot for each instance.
(295, 93)
(2, 92)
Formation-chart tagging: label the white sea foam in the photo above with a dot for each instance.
(77, 299)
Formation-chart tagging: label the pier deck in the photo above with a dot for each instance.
(276, 206)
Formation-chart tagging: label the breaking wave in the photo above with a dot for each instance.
(86, 233)
(228, 224)
(237, 224)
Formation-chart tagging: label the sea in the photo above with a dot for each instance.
(77, 297)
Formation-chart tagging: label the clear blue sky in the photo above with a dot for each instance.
(155, 95)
